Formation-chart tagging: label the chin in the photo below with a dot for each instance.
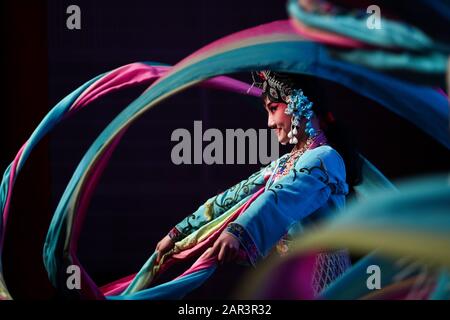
(283, 139)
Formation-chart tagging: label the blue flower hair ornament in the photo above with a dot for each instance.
(299, 107)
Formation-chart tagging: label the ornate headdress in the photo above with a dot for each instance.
(275, 89)
(279, 87)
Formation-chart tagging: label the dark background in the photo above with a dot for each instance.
(142, 194)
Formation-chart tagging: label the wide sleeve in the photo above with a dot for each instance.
(315, 176)
(217, 205)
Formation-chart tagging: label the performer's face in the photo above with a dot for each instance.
(278, 120)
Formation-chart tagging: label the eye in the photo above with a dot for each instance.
(272, 109)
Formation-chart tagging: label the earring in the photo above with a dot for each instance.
(292, 135)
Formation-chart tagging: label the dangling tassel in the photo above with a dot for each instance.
(293, 133)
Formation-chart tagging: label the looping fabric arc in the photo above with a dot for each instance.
(275, 46)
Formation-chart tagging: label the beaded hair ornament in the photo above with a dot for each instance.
(277, 89)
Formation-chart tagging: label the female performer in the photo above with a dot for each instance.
(290, 194)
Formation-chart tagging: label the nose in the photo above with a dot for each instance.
(270, 122)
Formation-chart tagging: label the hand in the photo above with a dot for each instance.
(227, 246)
(163, 246)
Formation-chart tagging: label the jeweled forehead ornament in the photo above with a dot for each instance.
(276, 90)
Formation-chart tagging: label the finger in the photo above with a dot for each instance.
(207, 253)
(158, 256)
(222, 254)
(211, 251)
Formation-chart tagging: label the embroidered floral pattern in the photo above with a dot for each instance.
(209, 210)
(323, 175)
(187, 229)
(277, 186)
(241, 189)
